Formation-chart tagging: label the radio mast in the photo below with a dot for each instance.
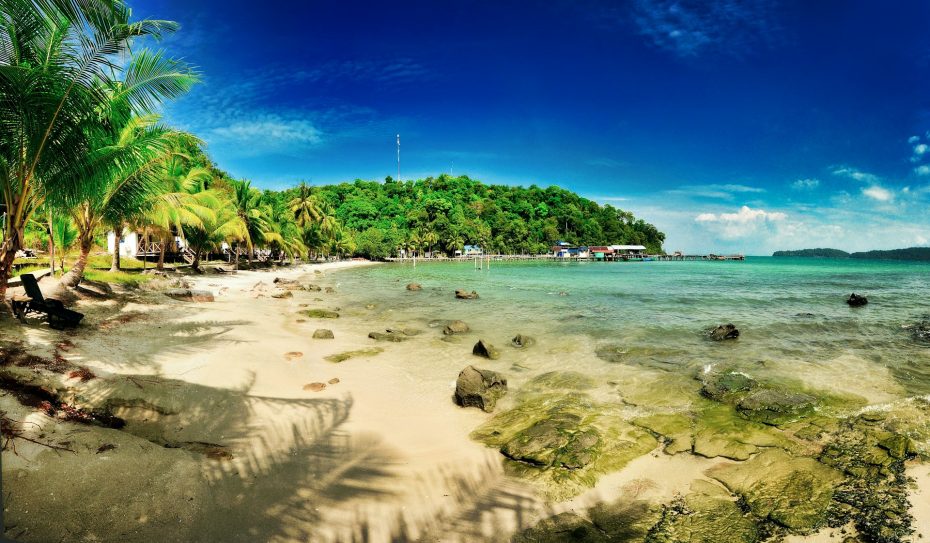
(398, 157)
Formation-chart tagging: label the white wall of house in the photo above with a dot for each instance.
(128, 245)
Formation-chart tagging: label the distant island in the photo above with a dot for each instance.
(814, 253)
(921, 254)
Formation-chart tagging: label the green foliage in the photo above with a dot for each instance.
(821, 253)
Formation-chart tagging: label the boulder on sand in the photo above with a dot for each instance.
(855, 300)
(323, 333)
(724, 331)
(414, 286)
(283, 294)
(520, 341)
(395, 336)
(455, 327)
(465, 295)
(190, 295)
(479, 388)
(485, 350)
(284, 281)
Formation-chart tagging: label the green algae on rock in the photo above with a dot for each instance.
(321, 314)
(558, 380)
(342, 357)
(708, 514)
(794, 492)
(564, 441)
(561, 528)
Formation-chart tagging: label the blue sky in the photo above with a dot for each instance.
(732, 125)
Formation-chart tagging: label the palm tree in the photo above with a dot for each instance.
(58, 78)
(430, 237)
(64, 234)
(253, 214)
(222, 225)
(305, 207)
(121, 194)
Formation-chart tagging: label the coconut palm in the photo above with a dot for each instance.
(253, 213)
(222, 225)
(64, 234)
(305, 207)
(119, 195)
(59, 66)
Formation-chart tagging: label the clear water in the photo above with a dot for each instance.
(791, 312)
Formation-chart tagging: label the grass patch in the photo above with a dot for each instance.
(29, 269)
(125, 262)
(127, 278)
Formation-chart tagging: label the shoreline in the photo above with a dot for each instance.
(215, 392)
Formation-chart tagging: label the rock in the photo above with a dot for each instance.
(625, 519)
(395, 337)
(556, 441)
(189, 295)
(520, 341)
(333, 381)
(855, 300)
(283, 281)
(293, 355)
(370, 306)
(794, 492)
(330, 290)
(315, 387)
(312, 288)
(414, 287)
(321, 314)
(720, 385)
(323, 333)
(405, 331)
(561, 528)
(465, 295)
(455, 327)
(724, 331)
(486, 350)
(558, 381)
(920, 330)
(775, 407)
(283, 294)
(706, 514)
(342, 357)
(479, 388)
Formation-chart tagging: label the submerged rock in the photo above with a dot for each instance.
(558, 381)
(342, 357)
(776, 407)
(724, 331)
(323, 333)
(414, 287)
(486, 350)
(561, 528)
(312, 288)
(856, 300)
(395, 337)
(465, 295)
(455, 327)
(720, 385)
(479, 388)
(520, 341)
(321, 314)
(920, 330)
(563, 441)
(706, 515)
(794, 492)
(190, 295)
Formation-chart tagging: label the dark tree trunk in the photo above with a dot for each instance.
(161, 254)
(76, 273)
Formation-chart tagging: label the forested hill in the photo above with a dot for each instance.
(820, 253)
(445, 213)
(912, 253)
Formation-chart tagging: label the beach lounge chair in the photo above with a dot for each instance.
(57, 314)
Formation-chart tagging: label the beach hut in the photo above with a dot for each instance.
(472, 250)
(628, 251)
(600, 252)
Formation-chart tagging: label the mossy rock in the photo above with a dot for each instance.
(395, 337)
(561, 528)
(321, 314)
(794, 492)
(361, 353)
(558, 381)
(708, 514)
(625, 520)
(720, 386)
(776, 407)
(564, 441)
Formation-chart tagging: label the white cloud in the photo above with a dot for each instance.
(913, 139)
(855, 174)
(744, 223)
(921, 149)
(878, 193)
(715, 191)
(806, 184)
(922, 170)
(266, 133)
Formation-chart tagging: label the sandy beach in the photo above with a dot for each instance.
(238, 428)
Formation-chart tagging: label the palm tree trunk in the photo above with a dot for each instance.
(161, 254)
(117, 238)
(51, 244)
(76, 273)
(195, 265)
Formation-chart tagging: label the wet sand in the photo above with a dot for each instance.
(224, 441)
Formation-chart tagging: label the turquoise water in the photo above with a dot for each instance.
(791, 313)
